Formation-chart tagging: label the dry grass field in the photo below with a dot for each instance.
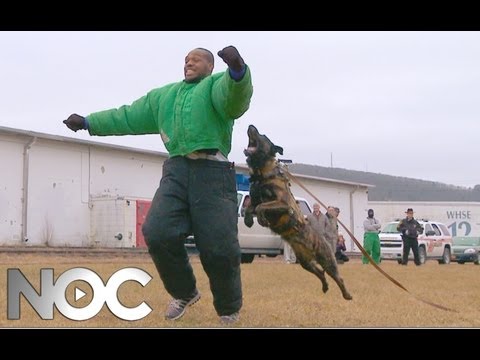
(276, 295)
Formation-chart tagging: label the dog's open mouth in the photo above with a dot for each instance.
(252, 133)
(252, 147)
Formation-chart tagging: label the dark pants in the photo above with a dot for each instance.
(199, 197)
(340, 255)
(413, 244)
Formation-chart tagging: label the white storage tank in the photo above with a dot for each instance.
(113, 222)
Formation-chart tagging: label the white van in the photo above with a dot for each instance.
(257, 240)
(435, 242)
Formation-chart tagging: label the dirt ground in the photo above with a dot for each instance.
(275, 294)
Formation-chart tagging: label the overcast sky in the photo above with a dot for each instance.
(397, 103)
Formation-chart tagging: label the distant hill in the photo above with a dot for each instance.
(393, 188)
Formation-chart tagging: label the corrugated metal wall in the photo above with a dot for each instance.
(65, 180)
(11, 170)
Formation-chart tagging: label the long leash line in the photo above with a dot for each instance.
(364, 252)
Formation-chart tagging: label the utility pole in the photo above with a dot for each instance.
(331, 159)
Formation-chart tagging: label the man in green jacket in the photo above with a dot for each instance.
(197, 192)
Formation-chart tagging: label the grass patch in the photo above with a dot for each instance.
(275, 295)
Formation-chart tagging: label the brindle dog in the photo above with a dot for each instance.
(276, 208)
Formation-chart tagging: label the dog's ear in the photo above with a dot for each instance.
(278, 149)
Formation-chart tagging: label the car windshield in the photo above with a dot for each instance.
(466, 241)
(391, 228)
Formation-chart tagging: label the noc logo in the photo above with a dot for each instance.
(53, 293)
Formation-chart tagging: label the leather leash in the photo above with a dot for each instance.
(364, 252)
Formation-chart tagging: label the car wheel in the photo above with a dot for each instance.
(247, 258)
(446, 257)
(422, 254)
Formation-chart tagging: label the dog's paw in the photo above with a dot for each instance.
(248, 220)
(262, 220)
(325, 288)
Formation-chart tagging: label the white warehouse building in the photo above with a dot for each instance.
(63, 192)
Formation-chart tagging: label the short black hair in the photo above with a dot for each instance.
(210, 56)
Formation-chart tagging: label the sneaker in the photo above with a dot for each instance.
(230, 319)
(176, 308)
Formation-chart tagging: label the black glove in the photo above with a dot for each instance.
(232, 58)
(75, 122)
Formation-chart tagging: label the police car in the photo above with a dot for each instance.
(435, 242)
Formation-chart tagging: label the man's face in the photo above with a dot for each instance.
(316, 208)
(410, 214)
(331, 211)
(197, 65)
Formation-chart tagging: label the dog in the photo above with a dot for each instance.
(276, 208)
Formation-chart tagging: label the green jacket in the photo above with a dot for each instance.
(188, 116)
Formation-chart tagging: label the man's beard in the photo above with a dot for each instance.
(196, 79)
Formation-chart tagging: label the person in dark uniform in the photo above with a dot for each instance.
(410, 229)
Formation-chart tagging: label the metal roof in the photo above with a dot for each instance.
(244, 166)
(13, 131)
(8, 130)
